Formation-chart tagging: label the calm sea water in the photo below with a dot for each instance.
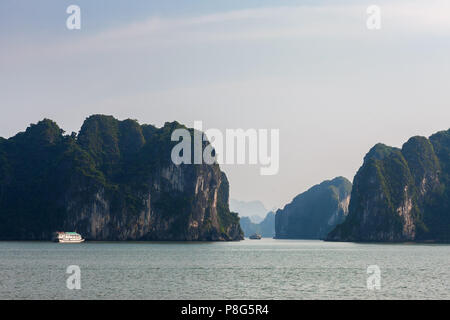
(250, 269)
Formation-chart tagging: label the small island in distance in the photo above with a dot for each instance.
(315, 212)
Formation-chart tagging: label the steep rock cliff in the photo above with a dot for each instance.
(401, 194)
(113, 181)
(314, 213)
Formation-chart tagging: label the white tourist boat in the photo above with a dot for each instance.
(69, 237)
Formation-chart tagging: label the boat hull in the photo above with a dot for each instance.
(71, 241)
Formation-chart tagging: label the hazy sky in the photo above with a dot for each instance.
(309, 68)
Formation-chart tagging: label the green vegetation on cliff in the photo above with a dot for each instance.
(401, 194)
(312, 214)
(112, 181)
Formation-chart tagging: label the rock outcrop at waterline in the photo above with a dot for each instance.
(113, 181)
(314, 213)
(401, 194)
